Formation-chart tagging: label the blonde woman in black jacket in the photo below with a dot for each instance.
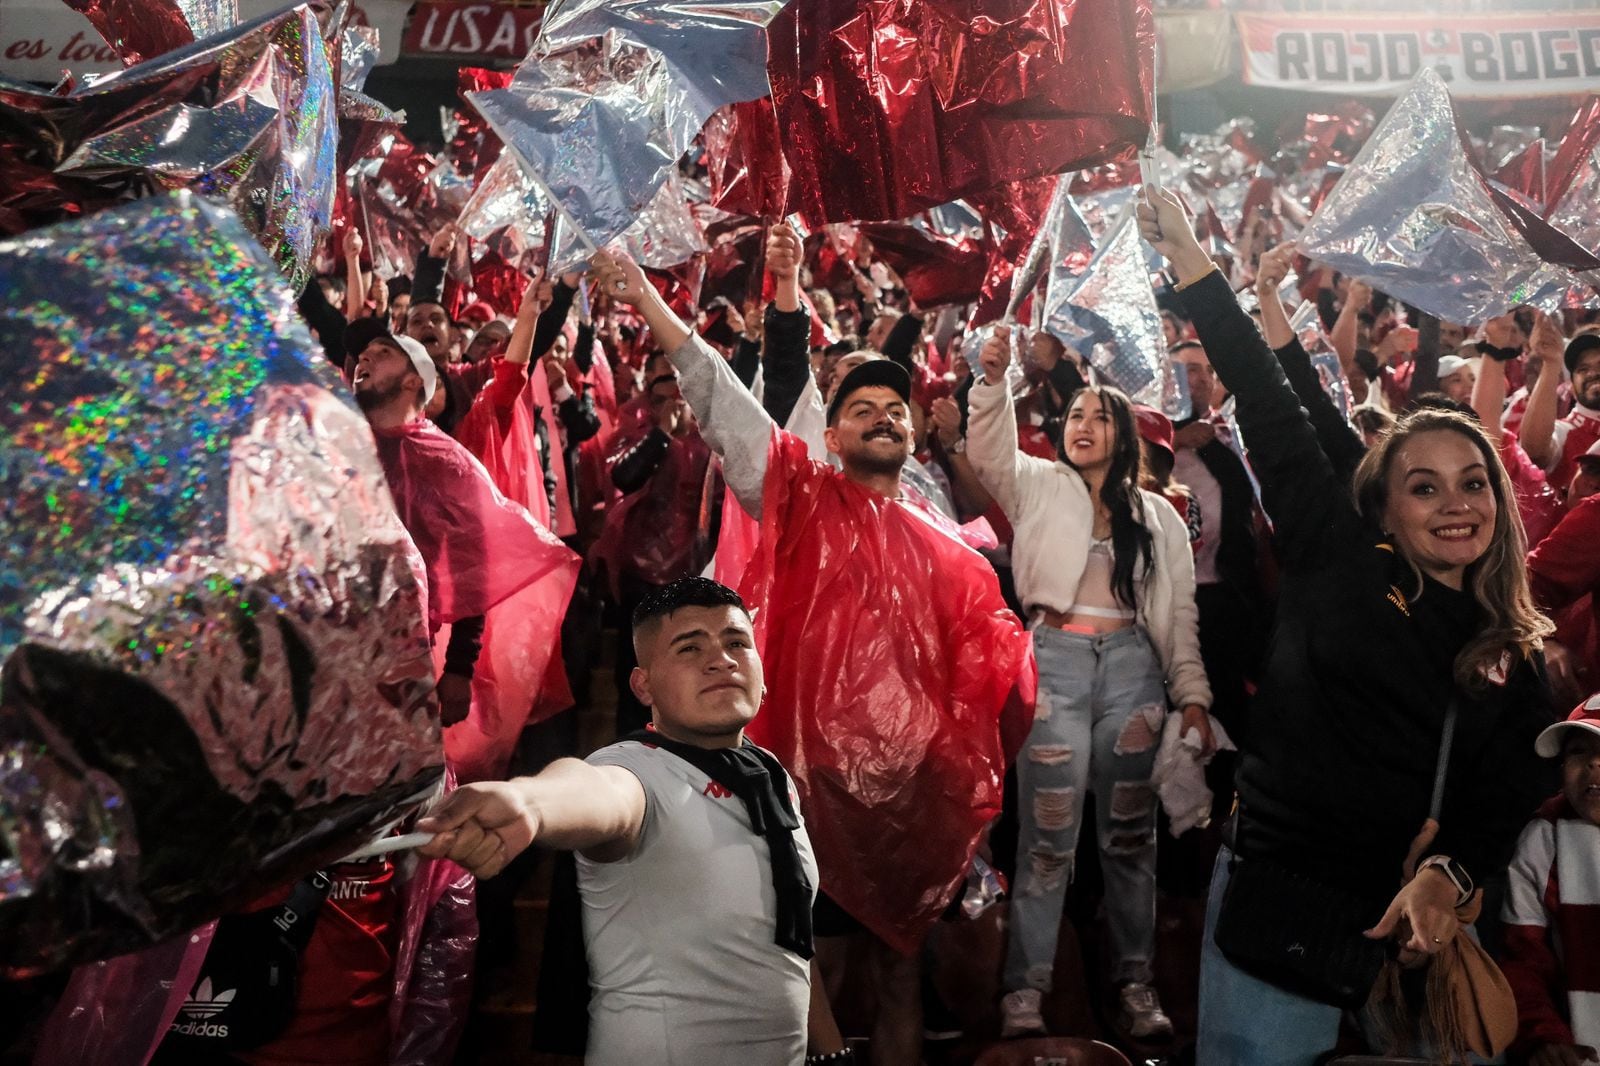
(1394, 606)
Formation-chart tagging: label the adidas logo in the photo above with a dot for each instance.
(202, 1004)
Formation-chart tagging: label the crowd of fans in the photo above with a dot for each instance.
(1307, 665)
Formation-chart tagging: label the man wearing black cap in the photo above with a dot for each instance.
(1556, 444)
(893, 665)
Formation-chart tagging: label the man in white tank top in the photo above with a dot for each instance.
(694, 867)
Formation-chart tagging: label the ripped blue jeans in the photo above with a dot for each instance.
(1102, 703)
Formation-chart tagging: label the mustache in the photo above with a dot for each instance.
(883, 431)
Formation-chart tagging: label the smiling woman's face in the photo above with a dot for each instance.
(1089, 436)
(1441, 505)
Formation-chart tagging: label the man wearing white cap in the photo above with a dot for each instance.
(1456, 378)
(477, 546)
(1552, 910)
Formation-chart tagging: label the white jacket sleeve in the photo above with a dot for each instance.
(1186, 672)
(732, 420)
(1005, 470)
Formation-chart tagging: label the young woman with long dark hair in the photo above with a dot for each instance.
(1105, 571)
(1403, 619)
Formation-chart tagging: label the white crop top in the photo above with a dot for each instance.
(1095, 598)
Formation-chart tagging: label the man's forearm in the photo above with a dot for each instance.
(1489, 396)
(1539, 419)
(580, 807)
(731, 420)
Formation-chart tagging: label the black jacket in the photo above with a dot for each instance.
(785, 360)
(1344, 732)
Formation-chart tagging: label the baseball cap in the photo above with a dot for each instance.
(1451, 364)
(882, 373)
(363, 331)
(1578, 347)
(1154, 427)
(1585, 717)
(481, 310)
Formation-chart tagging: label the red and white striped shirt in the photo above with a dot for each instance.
(1552, 929)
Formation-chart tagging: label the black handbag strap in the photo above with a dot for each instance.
(297, 917)
(1447, 739)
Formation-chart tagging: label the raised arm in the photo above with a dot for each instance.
(1357, 298)
(1538, 432)
(902, 340)
(1299, 487)
(1339, 441)
(355, 283)
(427, 285)
(731, 420)
(571, 805)
(555, 314)
(1003, 469)
(786, 333)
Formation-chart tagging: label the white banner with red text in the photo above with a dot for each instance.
(1479, 56)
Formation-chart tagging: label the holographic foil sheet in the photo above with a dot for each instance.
(1415, 218)
(716, 49)
(597, 128)
(248, 116)
(139, 30)
(217, 671)
(1110, 317)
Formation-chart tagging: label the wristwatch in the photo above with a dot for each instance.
(1499, 355)
(959, 447)
(1454, 871)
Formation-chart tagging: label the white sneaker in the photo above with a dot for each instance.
(1142, 1013)
(1019, 1014)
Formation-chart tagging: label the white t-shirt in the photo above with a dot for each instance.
(1189, 469)
(682, 962)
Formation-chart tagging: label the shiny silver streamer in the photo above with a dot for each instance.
(598, 133)
(1109, 316)
(507, 213)
(715, 49)
(1413, 217)
(1060, 252)
(358, 54)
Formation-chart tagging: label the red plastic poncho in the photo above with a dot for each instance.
(897, 680)
(484, 555)
(477, 546)
(663, 531)
(521, 664)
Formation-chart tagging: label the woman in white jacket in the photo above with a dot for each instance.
(1105, 571)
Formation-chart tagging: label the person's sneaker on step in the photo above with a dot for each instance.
(1142, 1015)
(1019, 1014)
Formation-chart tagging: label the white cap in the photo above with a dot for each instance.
(1451, 364)
(421, 362)
(1585, 717)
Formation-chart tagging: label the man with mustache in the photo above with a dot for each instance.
(893, 665)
